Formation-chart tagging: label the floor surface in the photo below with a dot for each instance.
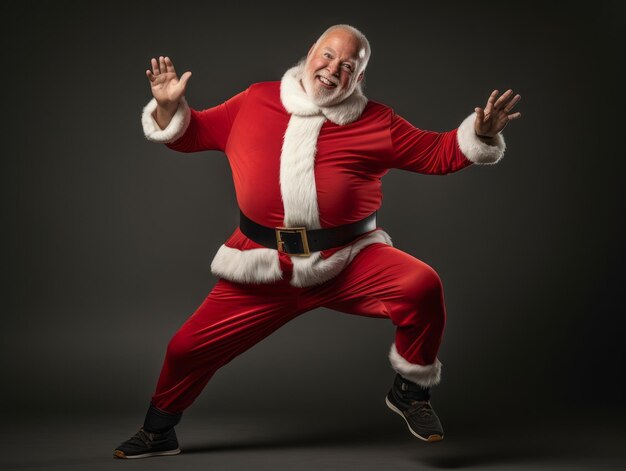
(315, 442)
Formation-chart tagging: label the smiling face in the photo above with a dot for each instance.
(331, 70)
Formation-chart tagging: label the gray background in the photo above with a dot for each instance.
(108, 238)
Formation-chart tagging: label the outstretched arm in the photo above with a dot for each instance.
(477, 140)
(421, 151)
(169, 120)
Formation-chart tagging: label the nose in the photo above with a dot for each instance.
(333, 68)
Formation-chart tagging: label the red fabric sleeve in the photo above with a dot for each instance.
(425, 152)
(209, 129)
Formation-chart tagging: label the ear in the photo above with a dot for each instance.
(360, 77)
(310, 50)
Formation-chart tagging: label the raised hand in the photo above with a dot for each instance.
(166, 87)
(496, 115)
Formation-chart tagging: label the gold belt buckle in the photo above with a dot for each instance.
(293, 230)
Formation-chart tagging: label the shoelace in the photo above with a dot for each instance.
(144, 437)
(422, 409)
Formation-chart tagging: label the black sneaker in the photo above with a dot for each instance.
(145, 444)
(412, 402)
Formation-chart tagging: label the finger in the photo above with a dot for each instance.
(162, 64)
(515, 116)
(170, 65)
(511, 104)
(503, 99)
(479, 122)
(155, 66)
(490, 102)
(150, 75)
(185, 78)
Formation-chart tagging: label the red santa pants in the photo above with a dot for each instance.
(381, 281)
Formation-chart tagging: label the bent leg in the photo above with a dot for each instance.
(383, 281)
(231, 320)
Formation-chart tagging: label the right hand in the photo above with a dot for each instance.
(166, 87)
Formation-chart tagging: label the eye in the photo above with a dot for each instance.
(327, 54)
(348, 66)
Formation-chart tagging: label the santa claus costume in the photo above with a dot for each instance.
(296, 164)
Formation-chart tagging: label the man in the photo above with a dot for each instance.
(307, 155)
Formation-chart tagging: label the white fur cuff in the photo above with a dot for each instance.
(424, 375)
(174, 130)
(476, 150)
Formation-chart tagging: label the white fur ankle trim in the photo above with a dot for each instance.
(476, 150)
(424, 375)
(174, 130)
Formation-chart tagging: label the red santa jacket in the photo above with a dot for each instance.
(297, 164)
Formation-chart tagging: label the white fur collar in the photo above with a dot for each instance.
(296, 101)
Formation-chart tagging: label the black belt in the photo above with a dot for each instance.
(300, 241)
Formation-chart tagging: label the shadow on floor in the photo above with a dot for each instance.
(362, 436)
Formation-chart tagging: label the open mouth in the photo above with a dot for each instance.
(327, 83)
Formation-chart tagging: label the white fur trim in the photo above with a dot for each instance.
(263, 265)
(424, 375)
(247, 266)
(313, 270)
(174, 130)
(296, 101)
(292, 95)
(297, 171)
(476, 150)
(298, 188)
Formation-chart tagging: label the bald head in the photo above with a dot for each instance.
(363, 51)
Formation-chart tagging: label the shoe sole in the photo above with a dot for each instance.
(435, 437)
(121, 454)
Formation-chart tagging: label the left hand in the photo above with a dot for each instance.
(496, 114)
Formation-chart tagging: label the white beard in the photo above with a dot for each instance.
(323, 97)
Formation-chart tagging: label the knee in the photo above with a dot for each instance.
(179, 346)
(425, 285)
(424, 294)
